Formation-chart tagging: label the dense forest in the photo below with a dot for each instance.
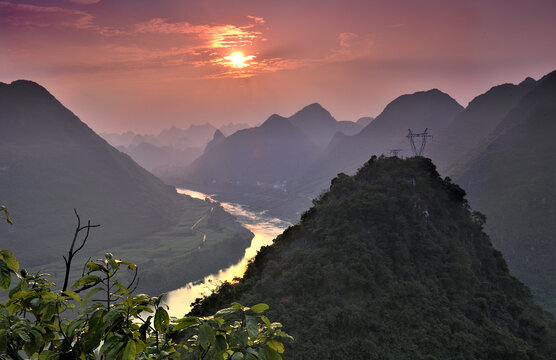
(393, 264)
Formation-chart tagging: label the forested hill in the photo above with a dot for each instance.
(393, 264)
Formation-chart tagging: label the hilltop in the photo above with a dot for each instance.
(391, 263)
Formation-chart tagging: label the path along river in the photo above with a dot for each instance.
(265, 228)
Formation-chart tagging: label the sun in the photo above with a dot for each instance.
(238, 60)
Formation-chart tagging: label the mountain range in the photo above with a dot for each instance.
(498, 148)
(172, 148)
(51, 163)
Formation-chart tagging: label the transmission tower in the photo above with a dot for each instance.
(424, 136)
(395, 152)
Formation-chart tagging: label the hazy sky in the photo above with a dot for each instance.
(149, 64)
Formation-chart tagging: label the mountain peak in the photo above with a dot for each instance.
(528, 80)
(273, 121)
(27, 86)
(218, 135)
(312, 113)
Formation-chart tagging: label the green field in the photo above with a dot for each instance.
(205, 239)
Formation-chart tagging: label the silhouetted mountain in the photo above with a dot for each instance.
(266, 155)
(428, 109)
(473, 125)
(512, 179)
(51, 162)
(392, 264)
(319, 126)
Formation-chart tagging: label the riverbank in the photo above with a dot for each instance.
(263, 226)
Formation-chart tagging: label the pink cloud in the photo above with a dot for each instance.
(32, 16)
(258, 20)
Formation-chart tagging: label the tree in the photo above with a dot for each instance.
(108, 322)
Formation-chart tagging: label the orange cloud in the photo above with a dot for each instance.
(215, 36)
(258, 20)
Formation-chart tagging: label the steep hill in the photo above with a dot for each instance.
(431, 109)
(392, 264)
(472, 126)
(512, 179)
(51, 162)
(319, 126)
(268, 155)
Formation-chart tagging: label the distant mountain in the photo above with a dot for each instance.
(267, 155)
(472, 126)
(117, 140)
(231, 128)
(319, 126)
(431, 109)
(158, 158)
(51, 162)
(512, 179)
(392, 264)
(364, 121)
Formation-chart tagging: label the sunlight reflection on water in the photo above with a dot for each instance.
(265, 228)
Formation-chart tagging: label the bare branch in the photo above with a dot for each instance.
(71, 252)
(133, 280)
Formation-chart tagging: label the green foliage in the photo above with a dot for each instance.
(399, 268)
(4, 210)
(110, 323)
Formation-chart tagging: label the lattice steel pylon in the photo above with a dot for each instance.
(424, 136)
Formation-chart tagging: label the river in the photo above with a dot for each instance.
(264, 227)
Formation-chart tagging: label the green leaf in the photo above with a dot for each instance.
(93, 266)
(10, 260)
(205, 336)
(109, 344)
(86, 280)
(5, 275)
(130, 266)
(6, 213)
(185, 322)
(129, 351)
(237, 356)
(259, 308)
(113, 263)
(226, 311)
(220, 343)
(72, 295)
(271, 354)
(161, 320)
(276, 345)
(93, 337)
(252, 326)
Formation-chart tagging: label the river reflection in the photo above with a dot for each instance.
(265, 228)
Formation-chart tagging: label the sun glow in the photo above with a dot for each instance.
(238, 60)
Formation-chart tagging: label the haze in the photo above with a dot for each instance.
(145, 65)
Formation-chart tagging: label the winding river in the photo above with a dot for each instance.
(265, 228)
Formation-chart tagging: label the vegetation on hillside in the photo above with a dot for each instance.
(393, 264)
(99, 318)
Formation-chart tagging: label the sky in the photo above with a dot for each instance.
(145, 65)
